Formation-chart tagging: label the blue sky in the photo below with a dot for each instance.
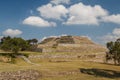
(96, 19)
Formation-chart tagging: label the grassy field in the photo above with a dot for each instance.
(68, 70)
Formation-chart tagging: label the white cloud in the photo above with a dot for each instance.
(76, 14)
(53, 12)
(85, 14)
(12, 32)
(60, 1)
(116, 31)
(111, 36)
(112, 18)
(38, 22)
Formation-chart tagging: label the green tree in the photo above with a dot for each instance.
(114, 51)
(33, 44)
(14, 44)
(4, 44)
(32, 41)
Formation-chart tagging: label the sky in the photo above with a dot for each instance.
(99, 20)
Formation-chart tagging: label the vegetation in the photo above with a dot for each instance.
(13, 44)
(32, 44)
(114, 51)
(12, 47)
(17, 44)
(32, 41)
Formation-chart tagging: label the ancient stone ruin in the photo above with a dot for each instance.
(69, 44)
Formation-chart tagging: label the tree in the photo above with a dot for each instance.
(4, 44)
(13, 44)
(32, 41)
(5, 38)
(33, 44)
(114, 51)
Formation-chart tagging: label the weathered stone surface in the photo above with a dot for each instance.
(20, 75)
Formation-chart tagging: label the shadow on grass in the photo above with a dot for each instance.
(101, 72)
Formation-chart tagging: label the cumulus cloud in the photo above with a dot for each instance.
(76, 14)
(111, 36)
(38, 22)
(53, 12)
(85, 14)
(12, 32)
(60, 1)
(112, 18)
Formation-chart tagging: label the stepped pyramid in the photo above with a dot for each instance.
(75, 44)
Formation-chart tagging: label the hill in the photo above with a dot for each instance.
(70, 44)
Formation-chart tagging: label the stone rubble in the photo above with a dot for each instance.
(20, 75)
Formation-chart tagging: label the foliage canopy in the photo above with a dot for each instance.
(13, 44)
(114, 51)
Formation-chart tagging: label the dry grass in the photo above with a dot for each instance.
(68, 70)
